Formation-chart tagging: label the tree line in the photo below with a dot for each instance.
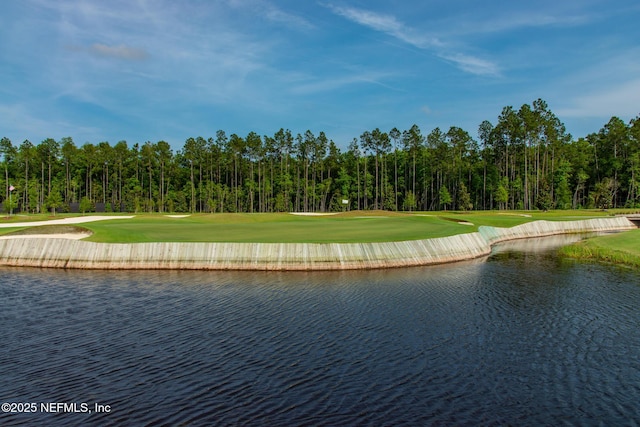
(526, 160)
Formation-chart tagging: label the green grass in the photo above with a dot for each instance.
(619, 248)
(269, 228)
(350, 227)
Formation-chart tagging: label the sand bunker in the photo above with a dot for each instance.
(64, 221)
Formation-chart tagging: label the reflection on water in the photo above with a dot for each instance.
(518, 339)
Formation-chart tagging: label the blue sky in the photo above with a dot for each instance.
(150, 70)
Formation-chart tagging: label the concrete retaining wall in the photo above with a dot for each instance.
(549, 228)
(62, 253)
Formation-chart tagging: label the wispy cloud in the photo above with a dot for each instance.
(329, 84)
(133, 62)
(279, 16)
(609, 86)
(533, 20)
(386, 24)
(137, 69)
(175, 51)
(391, 26)
(472, 64)
(621, 99)
(272, 13)
(505, 22)
(26, 123)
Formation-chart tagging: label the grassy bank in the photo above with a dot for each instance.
(620, 248)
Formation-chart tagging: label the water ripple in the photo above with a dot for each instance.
(522, 339)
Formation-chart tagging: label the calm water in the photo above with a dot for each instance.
(521, 338)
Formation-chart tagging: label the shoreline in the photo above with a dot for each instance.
(597, 254)
(619, 250)
(54, 252)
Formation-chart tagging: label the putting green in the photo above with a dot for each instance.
(271, 228)
(349, 227)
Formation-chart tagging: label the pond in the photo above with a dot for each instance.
(519, 338)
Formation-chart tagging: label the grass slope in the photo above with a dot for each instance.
(620, 248)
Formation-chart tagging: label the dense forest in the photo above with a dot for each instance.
(526, 160)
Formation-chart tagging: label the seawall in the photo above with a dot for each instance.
(78, 254)
(549, 228)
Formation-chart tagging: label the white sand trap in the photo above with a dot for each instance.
(314, 213)
(65, 221)
(177, 216)
(69, 236)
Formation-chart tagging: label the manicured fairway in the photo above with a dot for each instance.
(267, 228)
(350, 227)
